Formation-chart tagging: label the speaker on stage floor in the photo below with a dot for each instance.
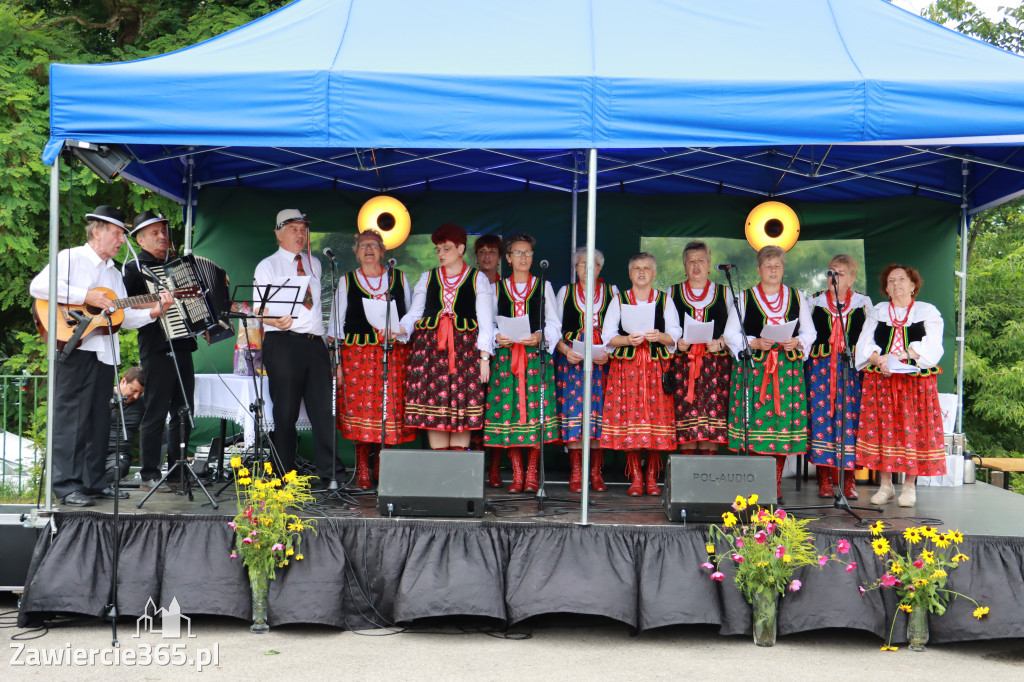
(702, 487)
(431, 483)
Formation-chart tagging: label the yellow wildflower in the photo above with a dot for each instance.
(740, 503)
(245, 481)
(956, 536)
(929, 532)
(752, 500)
(912, 535)
(268, 467)
(920, 582)
(236, 462)
(957, 558)
(928, 556)
(896, 568)
(877, 527)
(275, 482)
(297, 526)
(762, 564)
(710, 548)
(290, 476)
(299, 557)
(258, 484)
(729, 519)
(244, 471)
(289, 552)
(941, 542)
(786, 558)
(267, 521)
(880, 546)
(906, 608)
(890, 648)
(939, 573)
(980, 612)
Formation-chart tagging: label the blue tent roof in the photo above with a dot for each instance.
(818, 98)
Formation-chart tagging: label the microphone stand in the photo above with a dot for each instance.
(386, 356)
(542, 355)
(110, 610)
(845, 366)
(746, 361)
(335, 362)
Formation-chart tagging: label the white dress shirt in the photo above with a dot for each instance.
(734, 329)
(78, 270)
(336, 326)
(484, 309)
(554, 321)
(929, 348)
(614, 315)
(281, 266)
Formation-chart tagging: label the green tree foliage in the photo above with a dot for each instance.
(1006, 32)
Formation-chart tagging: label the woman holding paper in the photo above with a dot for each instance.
(452, 322)
(775, 321)
(642, 328)
(361, 367)
(901, 422)
(567, 321)
(824, 370)
(703, 366)
(520, 411)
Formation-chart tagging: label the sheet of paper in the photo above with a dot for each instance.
(374, 310)
(637, 319)
(697, 332)
(599, 350)
(284, 292)
(897, 366)
(515, 328)
(778, 332)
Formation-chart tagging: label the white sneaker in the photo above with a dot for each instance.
(885, 494)
(908, 496)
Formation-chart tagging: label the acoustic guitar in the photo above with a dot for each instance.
(70, 317)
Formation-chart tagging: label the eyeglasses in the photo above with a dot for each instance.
(370, 246)
(773, 266)
(443, 249)
(520, 254)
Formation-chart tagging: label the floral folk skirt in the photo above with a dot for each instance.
(439, 400)
(901, 425)
(505, 426)
(825, 428)
(706, 418)
(637, 413)
(569, 394)
(781, 431)
(360, 394)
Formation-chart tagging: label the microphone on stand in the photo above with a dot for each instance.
(544, 265)
(392, 262)
(726, 267)
(831, 275)
(330, 255)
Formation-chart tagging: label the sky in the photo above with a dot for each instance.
(989, 7)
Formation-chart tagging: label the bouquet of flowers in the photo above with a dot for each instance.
(919, 576)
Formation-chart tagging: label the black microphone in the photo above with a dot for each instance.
(392, 262)
(544, 265)
(330, 254)
(725, 266)
(831, 274)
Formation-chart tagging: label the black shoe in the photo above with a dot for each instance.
(148, 485)
(108, 493)
(77, 499)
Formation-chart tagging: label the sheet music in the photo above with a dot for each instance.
(374, 310)
(515, 328)
(286, 295)
(600, 350)
(897, 366)
(779, 332)
(637, 319)
(697, 332)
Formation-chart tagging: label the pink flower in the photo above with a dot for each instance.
(780, 514)
(770, 527)
(762, 515)
(254, 533)
(918, 564)
(843, 546)
(233, 556)
(862, 590)
(760, 537)
(277, 547)
(706, 565)
(795, 586)
(910, 588)
(852, 567)
(822, 560)
(246, 541)
(232, 524)
(739, 543)
(737, 558)
(888, 580)
(780, 552)
(718, 575)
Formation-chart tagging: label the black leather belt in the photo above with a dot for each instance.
(311, 337)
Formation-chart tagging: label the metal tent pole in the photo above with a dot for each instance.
(588, 354)
(189, 179)
(575, 219)
(51, 338)
(962, 321)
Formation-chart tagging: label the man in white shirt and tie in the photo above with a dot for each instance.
(294, 352)
(85, 379)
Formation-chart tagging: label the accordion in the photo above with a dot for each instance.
(206, 315)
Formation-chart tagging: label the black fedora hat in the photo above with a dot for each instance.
(147, 218)
(108, 214)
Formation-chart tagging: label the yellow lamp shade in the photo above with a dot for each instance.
(772, 223)
(389, 217)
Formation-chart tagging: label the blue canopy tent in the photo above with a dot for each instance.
(816, 100)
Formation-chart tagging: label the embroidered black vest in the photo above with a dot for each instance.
(823, 320)
(717, 311)
(885, 337)
(507, 309)
(465, 302)
(658, 351)
(755, 320)
(573, 313)
(358, 331)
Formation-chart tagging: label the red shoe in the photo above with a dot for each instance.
(634, 473)
(375, 458)
(494, 478)
(596, 463)
(532, 475)
(363, 466)
(653, 470)
(576, 471)
(516, 456)
(850, 486)
(825, 481)
(780, 464)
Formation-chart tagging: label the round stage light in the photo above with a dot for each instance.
(388, 216)
(772, 223)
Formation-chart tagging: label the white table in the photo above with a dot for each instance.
(227, 396)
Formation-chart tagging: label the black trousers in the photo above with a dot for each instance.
(299, 368)
(81, 409)
(163, 396)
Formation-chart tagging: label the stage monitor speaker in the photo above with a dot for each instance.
(702, 487)
(431, 483)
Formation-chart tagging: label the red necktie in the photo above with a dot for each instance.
(307, 300)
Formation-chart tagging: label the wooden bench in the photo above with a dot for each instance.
(1007, 465)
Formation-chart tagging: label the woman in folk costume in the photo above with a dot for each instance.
(452, 319)
(702, 369)
(776, 390)
(567, 319)
(824, 370)
(638, 415)
(361, 369)
(521, 397)
(901, 422)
